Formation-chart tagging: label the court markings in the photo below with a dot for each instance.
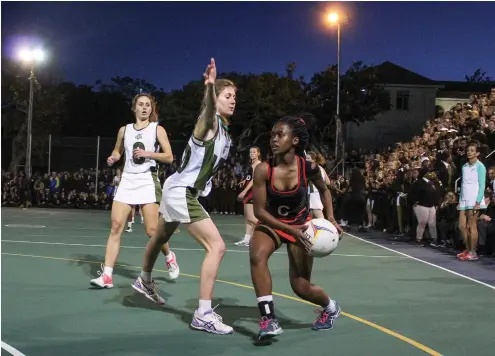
(11, 350)
(425, 262)
(26, 226)
(383, 329)
(174, 248)
(90, 228)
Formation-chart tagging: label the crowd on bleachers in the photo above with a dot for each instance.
(389, 175)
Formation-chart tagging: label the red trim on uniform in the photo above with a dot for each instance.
(304, 172)
(248, 197)
(298, 181)
(286, 236)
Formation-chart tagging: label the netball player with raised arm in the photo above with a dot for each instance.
(139, 184)
(281, 204)
(207, 149)
(246, 196)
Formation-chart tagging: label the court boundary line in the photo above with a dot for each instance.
(431, 264)
(11, 350)
(371, 324)
(175, 248)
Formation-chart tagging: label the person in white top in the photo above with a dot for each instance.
(139, 184)
(471, 201)
(315, 204)
(206, 151)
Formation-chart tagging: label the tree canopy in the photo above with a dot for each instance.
(67, 109)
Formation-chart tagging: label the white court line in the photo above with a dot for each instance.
(425, 262)
(175, 248)
(11, 350)
(95, 229)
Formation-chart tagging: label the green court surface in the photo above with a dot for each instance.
(392, 305)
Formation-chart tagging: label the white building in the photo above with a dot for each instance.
(412, 99)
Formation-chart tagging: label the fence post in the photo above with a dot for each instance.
(97, 161)
(49, 153)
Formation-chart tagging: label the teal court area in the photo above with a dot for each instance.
(393, 305)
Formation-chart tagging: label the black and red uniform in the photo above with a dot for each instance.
(290, 207)
(248, 198)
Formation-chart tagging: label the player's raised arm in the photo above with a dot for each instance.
(207, 119)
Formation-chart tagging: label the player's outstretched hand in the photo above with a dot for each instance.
(210, 74)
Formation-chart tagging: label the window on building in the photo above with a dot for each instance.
(402, 101)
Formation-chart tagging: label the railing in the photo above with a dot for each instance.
(73, 153)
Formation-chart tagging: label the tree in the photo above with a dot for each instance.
(478, 77)
(48, 108)
(361, 97)
(263, 99)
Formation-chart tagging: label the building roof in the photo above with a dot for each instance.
(391, 73)
(467, 87)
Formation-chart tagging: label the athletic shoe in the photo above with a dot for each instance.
(243, 242)
(148, 289)
(326, 319)
(103, 281)
(210, 322)
(173, 267)
(469, 257)
(269, 328)
(462, 254)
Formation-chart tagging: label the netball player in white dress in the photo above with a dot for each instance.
(206, 150)
(139, 184)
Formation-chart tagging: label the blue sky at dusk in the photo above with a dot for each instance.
(169, 44)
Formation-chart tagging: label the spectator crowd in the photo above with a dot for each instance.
(389, 176)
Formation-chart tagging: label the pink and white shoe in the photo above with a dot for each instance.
(103, 281)
(173, 267)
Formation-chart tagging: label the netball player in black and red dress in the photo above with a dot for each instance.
(246, 196)
(281, 204)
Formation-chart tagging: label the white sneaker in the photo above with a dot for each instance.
(243, 242)
(103, 281)
(173, 267)
(210, 322)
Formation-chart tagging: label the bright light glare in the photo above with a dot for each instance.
(333, 17)
(28, 55)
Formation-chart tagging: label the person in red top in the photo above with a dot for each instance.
(281, 204)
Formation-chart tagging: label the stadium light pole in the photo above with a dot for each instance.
(335, 19)
(30, 57)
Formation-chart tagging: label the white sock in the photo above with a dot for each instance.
(108, 271)
(129, 225)
(247, 237)
(204, 306)
(169, 257)
(331, 307)
(266, 298)
(146, 276)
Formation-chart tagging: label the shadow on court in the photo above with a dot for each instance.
(231, 312)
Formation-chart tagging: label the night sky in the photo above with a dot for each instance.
(169, 44)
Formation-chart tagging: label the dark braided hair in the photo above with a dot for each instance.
(300, 125)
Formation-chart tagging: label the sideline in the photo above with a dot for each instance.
(425, 262)
(175, 248)
(11, 350)
(407, 340)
